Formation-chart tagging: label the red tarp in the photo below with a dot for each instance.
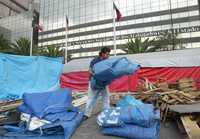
(79, 80)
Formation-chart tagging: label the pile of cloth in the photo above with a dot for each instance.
(110, 69)
(131, 119)
(48, 114)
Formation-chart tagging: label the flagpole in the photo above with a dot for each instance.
(114, 31)
(31, 45)
(66, 41)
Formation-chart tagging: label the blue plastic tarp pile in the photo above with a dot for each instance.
(20, 74)
(134, 120)
(110, 69)
(54, 107)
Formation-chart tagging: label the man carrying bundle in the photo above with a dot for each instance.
(93, 93)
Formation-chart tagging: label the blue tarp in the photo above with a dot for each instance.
(45, 104)
(129, 100)
(136, 120)
(110, 117)
(20, 74)
(142, 115)
(131, 131)
(135, 111)
(35, 137)
(55, 106)
(113, 68)
(110, 69)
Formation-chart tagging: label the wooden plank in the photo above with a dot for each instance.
(188, 89)
(171, 101)
(185, 85)
(188, 95)
(80, 101)
(191, 127)
(187, 108)
(176, 97)
(186, 80)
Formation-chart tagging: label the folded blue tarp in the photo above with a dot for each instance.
(136, 120)
(58, 130)
(110, 118)
(110, 69)
(113, 68)
(20, 74)
(35, 137)
(47, 103)
(55, 106)
(134, 131)
(144, 115)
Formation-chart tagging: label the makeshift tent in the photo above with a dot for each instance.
(171, 65)
(20, 74)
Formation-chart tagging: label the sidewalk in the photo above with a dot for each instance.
(90, 130)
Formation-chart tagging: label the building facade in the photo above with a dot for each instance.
(20, 25)
(17, 26)
(91, 23)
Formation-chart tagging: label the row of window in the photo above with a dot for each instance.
(18, 25)
(102, 43)
(84, 13)
(158, 18)
(95, 53)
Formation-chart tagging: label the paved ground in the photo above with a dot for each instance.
(90, 130)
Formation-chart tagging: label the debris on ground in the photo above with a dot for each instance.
(175, 101)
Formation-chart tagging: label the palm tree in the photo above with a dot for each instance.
(22, 47)
(52, 51)
(136, 45)
(4, 44)
(169, 41)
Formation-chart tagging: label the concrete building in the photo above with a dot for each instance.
(91, 23)
(16, 19)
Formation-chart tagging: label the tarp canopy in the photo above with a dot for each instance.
(20, 74)
(177, 58)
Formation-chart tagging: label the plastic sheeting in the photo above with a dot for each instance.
(20, 74)
(110, 69)
(78, 81)
(134, 131)
(142, 115)
(129, 100)
(135, 120)
(36, 137)
(176, 58)
(113, 68)
(53, 106)
(48, 104)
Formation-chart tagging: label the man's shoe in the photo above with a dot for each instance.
(85, 117)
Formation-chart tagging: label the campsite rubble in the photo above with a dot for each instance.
(9, 112)
(179, 101)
